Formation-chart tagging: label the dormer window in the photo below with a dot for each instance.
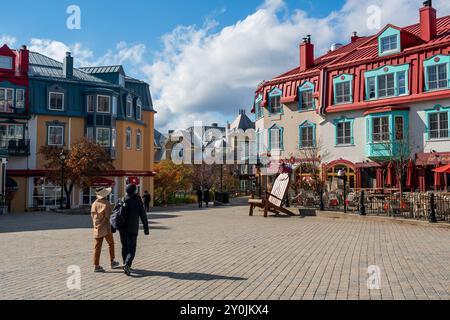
(275, 101)
(437, 73)
(387, 81)
(305, 95)
(389, 43)
(129, 107)
(343, 92)
(139, 110)
(6, 62)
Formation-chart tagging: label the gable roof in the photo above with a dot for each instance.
(242, 122)
(46, 67)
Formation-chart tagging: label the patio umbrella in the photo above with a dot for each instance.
(391, 179)
(380, 178)
(438, 179)
(411, 175)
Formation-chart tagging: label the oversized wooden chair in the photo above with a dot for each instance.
(273, 202)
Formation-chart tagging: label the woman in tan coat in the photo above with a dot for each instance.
(101, 212)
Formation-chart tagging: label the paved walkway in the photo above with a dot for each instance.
(221, 253)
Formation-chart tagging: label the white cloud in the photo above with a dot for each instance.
(9, 40)
(201, 72)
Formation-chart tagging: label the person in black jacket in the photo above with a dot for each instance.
(200, 198)
(147, 199)
(128, 235)
(206, 197)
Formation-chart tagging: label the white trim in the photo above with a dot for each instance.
(17, 91)
(93, 103)
(48, 136)
(50, 100)
(109, 136)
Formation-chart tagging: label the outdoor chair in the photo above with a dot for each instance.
(273, 202)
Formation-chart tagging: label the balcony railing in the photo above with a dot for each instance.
(386, 150)
(16, 147)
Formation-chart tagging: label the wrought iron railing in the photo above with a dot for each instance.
(16, 147)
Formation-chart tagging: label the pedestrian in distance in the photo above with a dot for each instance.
(147, 199)
(200, 198)
(101, 212)
(134, 211)
(206, 197)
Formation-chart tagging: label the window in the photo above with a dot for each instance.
(275, 104)
(139, 110)
(129, 107)
(401, 81)
(399, 128)
(307, 136)
(343, 92)
(389, 43)
(114, 106)
(20, 98)
(55, 136)
(261, 144)
(6, 99)
(344, 133)
(6, 62)
(45, 194)
(103, 137)
(437, 77)
(381, 132)
(306, 100)
(89, 196)
(90, 103)
(371, 88)
(113, 138)
(438, 125)
(11, 132)
(90, 133)
(56, 101)
(128, 138)
(259, 109)
(121, 80)
(138, 139)
(276, 138)
(103, 104)
(386, 85)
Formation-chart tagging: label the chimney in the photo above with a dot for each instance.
(306, 54)
(68, 66)
(215, 125)
(355, 36)
(428, 28)
(24, 58)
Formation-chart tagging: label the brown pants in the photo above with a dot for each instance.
(98, 248)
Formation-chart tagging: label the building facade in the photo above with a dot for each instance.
(364, 103)
(66, 104)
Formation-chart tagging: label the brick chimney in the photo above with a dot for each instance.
(428, 28)
(355, 36)
(68, 66)
(24, 60)
(306, 54)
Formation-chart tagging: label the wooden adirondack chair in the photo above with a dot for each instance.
(273, 202)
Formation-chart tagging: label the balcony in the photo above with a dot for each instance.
(16, 147)
(387, 150)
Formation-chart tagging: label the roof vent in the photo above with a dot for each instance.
(335, 46)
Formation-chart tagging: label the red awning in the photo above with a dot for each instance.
(433, 159)
(444, 169)
(102, 182)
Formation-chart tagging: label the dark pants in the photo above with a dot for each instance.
(129, 243)
(200, 203)
(147, 207)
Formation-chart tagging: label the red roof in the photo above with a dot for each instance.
(363, 49)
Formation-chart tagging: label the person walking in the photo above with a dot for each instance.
(134, 210)
(200, 197)
(101, 212)
(147, 199)
(206, 197)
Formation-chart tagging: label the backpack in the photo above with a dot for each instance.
(119, 215)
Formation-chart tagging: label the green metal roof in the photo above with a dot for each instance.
(43, 66)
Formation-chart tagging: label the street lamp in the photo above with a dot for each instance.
(62, 157)
(342, 175)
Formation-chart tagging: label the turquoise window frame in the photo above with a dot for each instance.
(443, 59)
(269, 144)
(391, 115)
(258, 108)
(307, 86)
(436, 109)
(341, 79)
(307, 124)
(352, 134)
(388, 33)
(385, 70)
(276, 92)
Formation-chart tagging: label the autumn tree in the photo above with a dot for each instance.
(84, 161)
(171, 178)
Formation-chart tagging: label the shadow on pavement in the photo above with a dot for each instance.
(190, 276)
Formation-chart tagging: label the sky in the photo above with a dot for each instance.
(202, 58)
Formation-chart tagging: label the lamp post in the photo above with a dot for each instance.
(62, 157)
(342, 175)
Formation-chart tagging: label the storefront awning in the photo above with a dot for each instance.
(433, 159)
(102, 182)
(11, 185)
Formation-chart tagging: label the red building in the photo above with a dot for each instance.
(365, 101)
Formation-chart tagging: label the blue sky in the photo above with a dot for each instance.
(202, 58)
